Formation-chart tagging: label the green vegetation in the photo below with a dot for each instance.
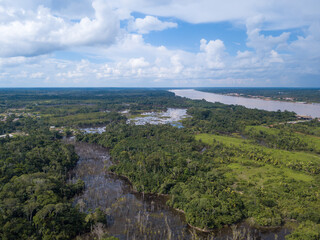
(229, 177)
(164, 159)
(85, 119)
(214, 118)
(284, 138)
(278, 189)
(310, 127)
(302, 161)
(227, 164)
(34, 196)
(230, 141)
(306, 231)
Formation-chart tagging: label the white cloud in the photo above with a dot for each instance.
(212, 53)
(138, 62)
(148, 24)
(71, 9)
(40, 32)
(262, 43)
(308, 46)
(91, 28)
(278, 14)
(176, 62)
(275, 57)
(36, 75)
(132, 62)
(14, 61)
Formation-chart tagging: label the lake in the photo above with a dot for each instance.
(302, 109)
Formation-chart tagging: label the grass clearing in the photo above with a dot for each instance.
(313, 142)
(249, 144)
(261, 175)
(209, 138)
(251, 167)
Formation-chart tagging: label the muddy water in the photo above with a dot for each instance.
(131, 215)
(312, 110)
(136, 216)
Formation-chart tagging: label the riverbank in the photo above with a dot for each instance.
(136, 214)
(132, 215)
(198, 229)
(298, 95)
(310, 110)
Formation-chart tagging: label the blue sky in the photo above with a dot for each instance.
(234, 38)
(168, 43)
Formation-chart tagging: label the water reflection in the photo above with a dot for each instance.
(171, 116)
(93, 130)
(137, 216)
(132, 215)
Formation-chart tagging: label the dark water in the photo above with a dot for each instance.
(137, 216)
(131, 215)
(312, 110)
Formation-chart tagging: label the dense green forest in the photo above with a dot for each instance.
(284, 94)
(34, 197)
(217, 181)
(226, 165)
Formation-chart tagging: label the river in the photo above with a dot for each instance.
(133, 215)
(302, 109)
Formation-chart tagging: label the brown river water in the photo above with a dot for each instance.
(134, 215)
(312, 109)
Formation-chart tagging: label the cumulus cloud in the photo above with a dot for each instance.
(148, 24)
(212, 53)
(34, 33)
(176, 62)
(133, 62)
(31, 30)
(308, 46)
(260, 42)
(138, 63)
(275, 57)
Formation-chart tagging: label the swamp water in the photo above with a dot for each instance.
(171, 116)
(130, 215)
(134, 215)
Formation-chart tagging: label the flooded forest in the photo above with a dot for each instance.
(146, 164)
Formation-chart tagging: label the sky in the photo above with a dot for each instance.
(159, 43)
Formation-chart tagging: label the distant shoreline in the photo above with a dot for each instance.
(302, 110)
(290, 100)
